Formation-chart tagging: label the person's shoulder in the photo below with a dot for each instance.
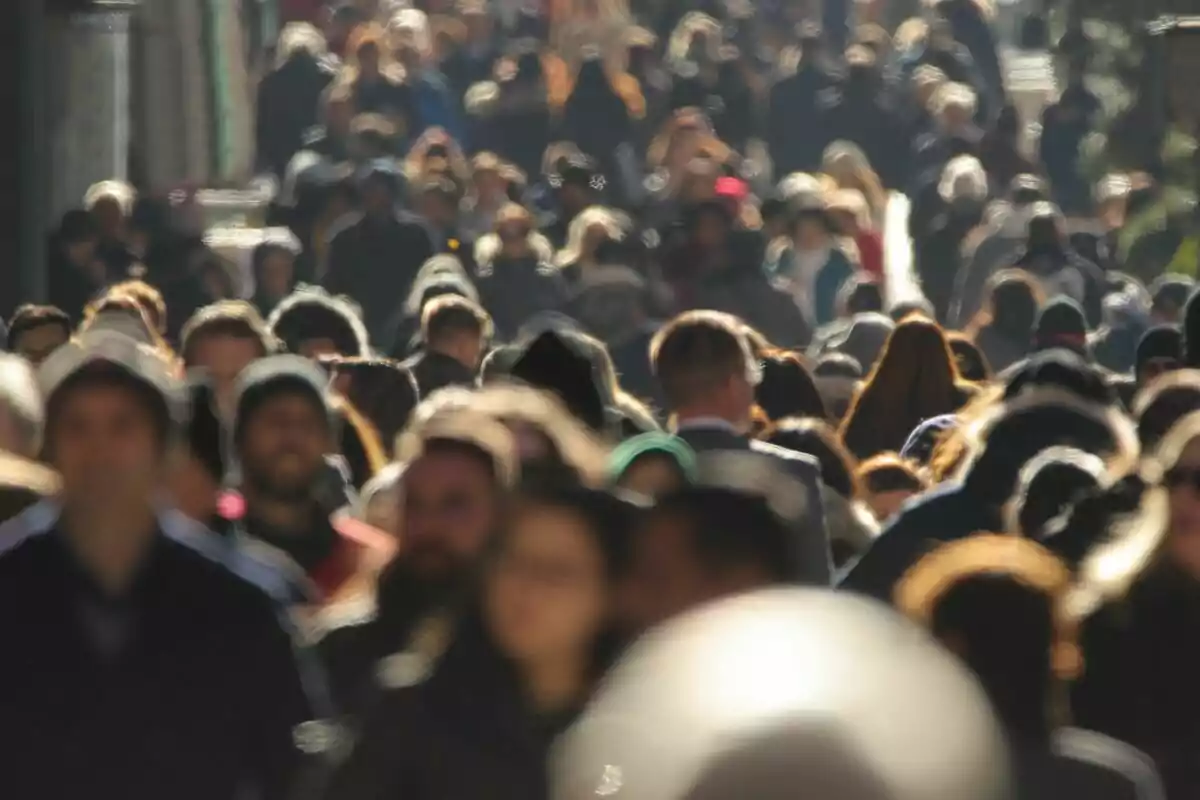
(234, 599)
(343, 224)
(796, 461)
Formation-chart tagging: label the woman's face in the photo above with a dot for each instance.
(1184, 482)
(547, 596)
(652, 475)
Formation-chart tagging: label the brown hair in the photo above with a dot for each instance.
(915, 379)
(697, 351)
(29, 317)
(451, 314)
(888, 472)
(149, 298)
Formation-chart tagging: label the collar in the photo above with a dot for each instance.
(707, 423)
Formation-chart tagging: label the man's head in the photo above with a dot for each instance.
(312, 323)
(704, 365)
(21, 413)
(223, 339)
(35, 332)
(110, 420)
(283, 429)
(700, 544)
(455, 326)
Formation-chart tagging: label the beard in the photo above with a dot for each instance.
(269, 483)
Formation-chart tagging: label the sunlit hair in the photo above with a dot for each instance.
(21, 404)
(487, 247)
(297, 38)
(417, 162)
(928, 77)
(956, 96)
(572, 442)
(615, 223)
(888, 472)
(146, 332)
(910, 33)
(1028, 564)
(409, 26)
(369, 35)
(119, 192)
(149, 298)
(691, 25)
(915, 379)
(360, 445)
(848, 166)
(662, 149)
(1011, 302)
(954, 448)
(382, 390)
(963, 178)
(466, 425)
(698, 351)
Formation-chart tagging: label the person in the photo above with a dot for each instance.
(1159, 351)
(455, 332)
(763, 693)
(541, 635)
(273, 265)
(652, 464)
(75, 272)
(138, 610)
(288, 99)
(376, 252)
(1003, 329)
(1162, 403)
(281, 432)
(222, 340)
(703, 363)
(1049, 258)
(312, 323)
(888, 482)
(1000, 603)
(813, 268)
(1128, 642)
(916, 379)
(382, 390)
(34, 332)
(461, 466)
(1051, 484)
(962, 191)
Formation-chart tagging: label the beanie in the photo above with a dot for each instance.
(275, 375)
(1061, 324)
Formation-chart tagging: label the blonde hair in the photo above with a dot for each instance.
(119, 192)
(615, 223)
(953, 95)
(299, 37)
(847, 166)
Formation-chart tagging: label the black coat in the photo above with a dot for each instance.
(514, 291)
(433, 371)
(198, 703)
(374, 262)
(464, 733)
(289, 103)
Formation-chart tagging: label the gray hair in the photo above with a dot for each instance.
(21, 405)
(964, 178)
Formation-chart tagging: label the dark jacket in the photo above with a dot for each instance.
(433, 371)
(198, 703)
(514, 291)
(374, 263)
(814, 553)
(464, 733)
(289, 102)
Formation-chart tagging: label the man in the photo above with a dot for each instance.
(729, 533)
(223, 339)
(75, 272)
(37, 331)
(311, 323)
(143, 668)
(375, 254)
(708, 376)
(455, 332)
(460, 465)
(282, 431)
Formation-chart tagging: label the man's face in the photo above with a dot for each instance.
(283, 447)
(35, 344)
(105, 444)
(224, 357)
(449, 514)
(666, 579)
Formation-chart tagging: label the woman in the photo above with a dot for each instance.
(519, 670)
(592, 240)
(852, 219)
(847, 166)
(652, 464)
(1003, 328)
(376, 81)
(813, 266)
(973, 365)
(888, 482)
(915, 379)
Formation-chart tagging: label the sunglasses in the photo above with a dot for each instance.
(1178, 477)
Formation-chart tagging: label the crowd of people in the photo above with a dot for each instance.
(570, 319)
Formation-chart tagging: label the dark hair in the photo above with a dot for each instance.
(816, 438)
(972, 363)
(450, 315)
(498, 364)
(102, 374)
(1166, 400)
(888, 472)
(1051, 485)
(695, 352)
(30, 317)
(382, 390)
(77, 226)
(917, 306)
(838, 365)
(859, 296)
(787, 389)
(729, 529)
(235, 319)
(1013, 302)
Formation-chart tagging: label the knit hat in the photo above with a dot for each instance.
(1162, 342)
(274, 375)
(1062, 325)
(628, 452)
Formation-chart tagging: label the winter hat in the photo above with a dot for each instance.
(1161, 342)
(274, 375)
(312, 313)
(1062, 325)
